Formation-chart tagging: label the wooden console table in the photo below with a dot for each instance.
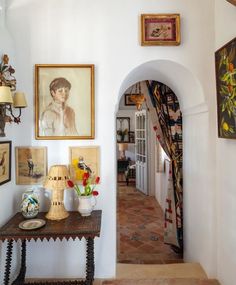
(75, 226)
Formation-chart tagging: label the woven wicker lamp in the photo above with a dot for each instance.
(57, 181)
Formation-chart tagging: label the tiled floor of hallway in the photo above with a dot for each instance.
(140, 229)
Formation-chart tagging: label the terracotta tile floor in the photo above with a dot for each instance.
(140, 229)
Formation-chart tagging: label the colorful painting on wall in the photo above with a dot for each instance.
(225, 64)
(31, 165)
(82, 160)
(5, 162)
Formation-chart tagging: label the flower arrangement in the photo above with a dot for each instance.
(88, 186)
(122, 134)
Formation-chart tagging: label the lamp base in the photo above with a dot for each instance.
(57, 211)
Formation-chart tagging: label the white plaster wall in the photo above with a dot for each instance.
(225, 23)
(9, 196)
(199, 192)
(106, 33)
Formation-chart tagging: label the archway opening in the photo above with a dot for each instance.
(143, 165)
(178, 78)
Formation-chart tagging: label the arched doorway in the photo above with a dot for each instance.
(145, 206)
(191, 98)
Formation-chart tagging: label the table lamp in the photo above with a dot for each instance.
(56, 181)
(122, 148)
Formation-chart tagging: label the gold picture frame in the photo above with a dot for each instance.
(84, 159)
(160, 29)
(31, 165)
(64, 101)
(5, 162)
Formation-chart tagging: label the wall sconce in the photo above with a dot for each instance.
(7, 85)
(137, 97)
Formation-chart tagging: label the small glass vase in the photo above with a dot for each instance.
(86, 205)
(30, 204)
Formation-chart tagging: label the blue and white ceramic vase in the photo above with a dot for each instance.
(30, 204)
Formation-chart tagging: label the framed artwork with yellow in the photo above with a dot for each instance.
(84, 159)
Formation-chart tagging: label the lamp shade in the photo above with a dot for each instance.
(57, 177)
(138, 99)
(19, 100)
(123, 146)
(5, 95)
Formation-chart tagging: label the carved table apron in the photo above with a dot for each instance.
(75, 226)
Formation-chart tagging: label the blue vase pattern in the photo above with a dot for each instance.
(30, 204)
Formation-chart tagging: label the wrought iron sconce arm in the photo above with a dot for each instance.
(7, 85)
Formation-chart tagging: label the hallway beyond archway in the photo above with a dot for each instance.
(140, 229)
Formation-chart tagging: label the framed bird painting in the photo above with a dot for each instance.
(5, 162)
(84, 159)
(31, 165)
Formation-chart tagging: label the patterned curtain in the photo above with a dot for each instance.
(166, 117)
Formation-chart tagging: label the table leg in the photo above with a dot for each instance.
(8, 262)
(90, 262)
(21, 276)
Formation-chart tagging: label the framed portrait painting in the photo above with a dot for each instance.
(160, 29)
(64, 101)
(225, 67)
(82, 160)
(5, 162)
(31, 165)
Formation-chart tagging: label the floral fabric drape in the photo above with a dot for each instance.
(166, 117)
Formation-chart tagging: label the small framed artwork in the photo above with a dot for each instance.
(131, 137)
(128, 101)
(31, 165)
(225, 67)
(82, 160)
(122, 129)
(64, 101)
(5, 162)
(160, 29)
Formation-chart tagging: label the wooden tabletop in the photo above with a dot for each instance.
(75, 226)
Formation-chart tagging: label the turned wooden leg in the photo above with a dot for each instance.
(8, 262)
(21, 276)
(90, 261)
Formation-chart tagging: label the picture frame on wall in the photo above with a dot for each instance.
(84, 159)
(128, 101)
(31, 165)
(160, 29)
(64, 101)
(122, 129)
(5, 162)
(131, 137)
(225, 63)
